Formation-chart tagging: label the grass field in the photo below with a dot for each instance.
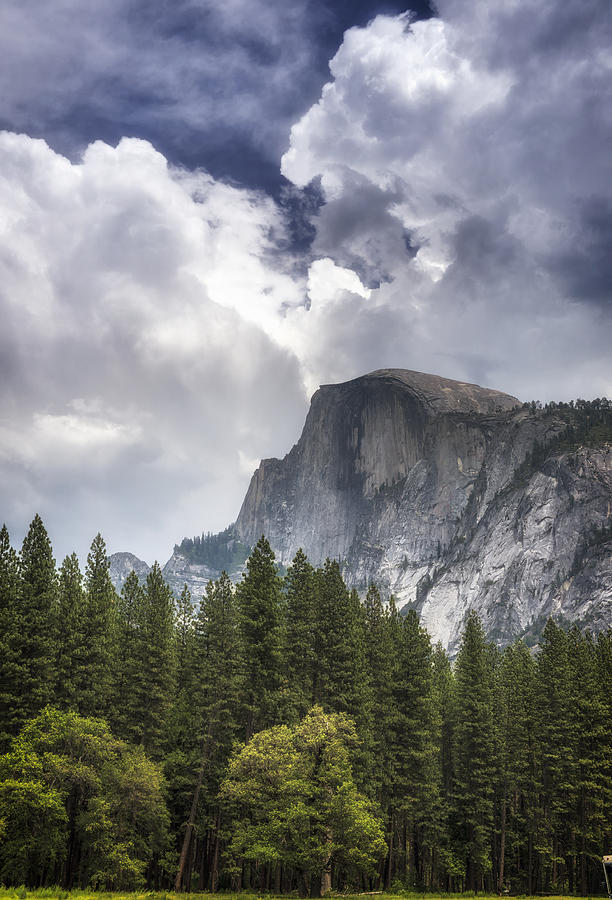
(50, 893)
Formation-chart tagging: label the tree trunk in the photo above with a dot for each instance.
(326, 882)
(206, 744)
(502, 848)
(214, 874)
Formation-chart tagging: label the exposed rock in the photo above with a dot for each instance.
(179, 571)
(410, 479)
(121, 564)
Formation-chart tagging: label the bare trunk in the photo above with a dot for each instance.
(206, 743)
(326, 873)
(214, 875)
(502, 848)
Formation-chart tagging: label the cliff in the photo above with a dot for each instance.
(421, 484)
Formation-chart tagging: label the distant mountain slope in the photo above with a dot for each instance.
(194, 562)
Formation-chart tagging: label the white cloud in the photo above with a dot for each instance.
(465, 166)
(139, 356)
(157, 336)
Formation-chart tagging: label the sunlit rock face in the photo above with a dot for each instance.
(410, 480)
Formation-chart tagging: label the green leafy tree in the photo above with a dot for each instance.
(593, 766)
(79, 806)
(293, 802)
(519, 752)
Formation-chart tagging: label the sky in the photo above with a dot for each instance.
(208, 209)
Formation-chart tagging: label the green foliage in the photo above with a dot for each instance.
(298, 652)
(73, 657)
(260, 618)
(10, 663)
(34, 637)
(494, 773)
(69, 789)
(475, 762)
(219, 551)
(292, 799)
(98, 632)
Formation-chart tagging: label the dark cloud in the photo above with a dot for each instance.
(584, 267)
(211, 85)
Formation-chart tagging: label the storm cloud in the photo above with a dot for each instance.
(449, 209)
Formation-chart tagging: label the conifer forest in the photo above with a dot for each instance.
(287, 735)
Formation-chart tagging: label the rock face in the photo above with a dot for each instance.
(411, 480)
(121, 564)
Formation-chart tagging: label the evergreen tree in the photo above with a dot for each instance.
(339, 650)
(72, 648)
(34, 632)
(99, 632)
(517, 717)
(128, 683)
(415, 748)
(156, 652)
(10, 597)
(475, 764)
(217, 701)
(593, 765)
(558, 740)
(381, 666)
(298, 654)
(260, 616)
(443, 688)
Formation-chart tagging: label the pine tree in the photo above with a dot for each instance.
(157, 655)
(99, 632)
(593, 767)
(415, 747)
(558, 740)
(381, 666)
(128, 688)
(298, 654)
(518, 764)
(443, 690)
(339, 647)
(34, 637)
(10, 597)
(475, 764)
(260, 616)
(218, 702)
(72, 646)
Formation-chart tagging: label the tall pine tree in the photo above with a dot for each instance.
(475, 764)
(260, 616)
(35, 626)
(99, 631)
(10, 604)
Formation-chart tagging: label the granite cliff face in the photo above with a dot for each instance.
(413, 481)
(121, 564)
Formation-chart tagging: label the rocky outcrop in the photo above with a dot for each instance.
(413, 481)
(121, 564)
